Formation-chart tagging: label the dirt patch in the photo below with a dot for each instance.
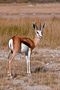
(45, 68)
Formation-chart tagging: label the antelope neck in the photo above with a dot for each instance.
(36, 40)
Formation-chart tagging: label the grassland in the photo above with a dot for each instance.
(45, 68)
(17, 19)
(45, 62)
(23, 26)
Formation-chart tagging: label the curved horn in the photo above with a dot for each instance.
(43, 25)
(40, 26)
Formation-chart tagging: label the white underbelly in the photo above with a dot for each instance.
(24, 47)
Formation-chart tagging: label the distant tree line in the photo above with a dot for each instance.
(26, 1)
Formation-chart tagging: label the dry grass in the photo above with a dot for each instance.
(51, 38)
(52, 33)
(21, 80)
(23, 26)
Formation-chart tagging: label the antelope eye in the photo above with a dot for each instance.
(37, 33)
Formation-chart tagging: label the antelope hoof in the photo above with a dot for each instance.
(10, 75)
(29, 73)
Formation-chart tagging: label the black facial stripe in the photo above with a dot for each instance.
(37, 32)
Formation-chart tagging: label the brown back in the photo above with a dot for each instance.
(17, 40)
(28, 42)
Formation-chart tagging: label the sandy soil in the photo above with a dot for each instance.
(24, 10)
(45, 68)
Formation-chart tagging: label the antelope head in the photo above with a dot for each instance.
(38, 30)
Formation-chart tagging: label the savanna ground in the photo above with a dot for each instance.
(17, 19)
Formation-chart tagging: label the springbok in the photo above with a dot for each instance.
(18, 44)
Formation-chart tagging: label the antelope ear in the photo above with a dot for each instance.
(35, 26)
(43, 25)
